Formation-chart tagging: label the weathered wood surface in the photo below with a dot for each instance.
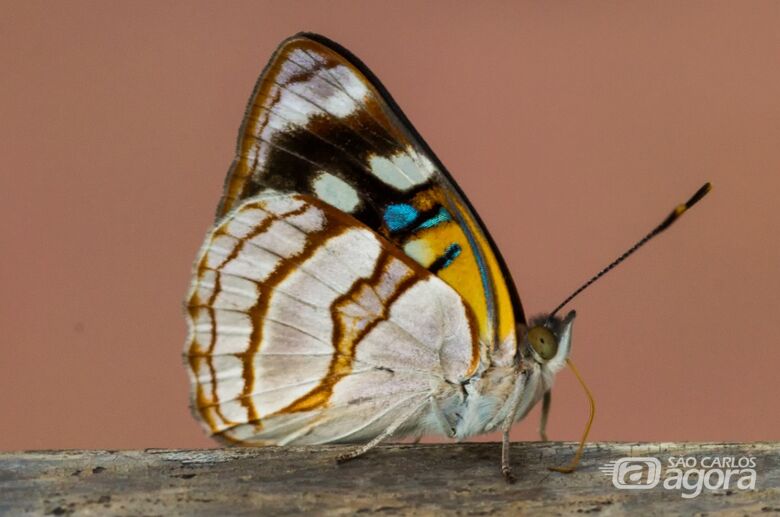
(393, 479)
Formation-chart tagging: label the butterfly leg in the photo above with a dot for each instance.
(392, 428)
(546, 401)
(515, 402)
(506, 470)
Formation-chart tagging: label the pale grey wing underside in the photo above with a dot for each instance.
(308, 327)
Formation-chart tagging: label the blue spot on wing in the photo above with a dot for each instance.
(450, 254)
(400, 216)
(441, 216)
(403, 216)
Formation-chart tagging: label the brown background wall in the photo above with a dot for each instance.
(573, 128)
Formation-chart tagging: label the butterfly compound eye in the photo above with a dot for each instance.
(543, 342)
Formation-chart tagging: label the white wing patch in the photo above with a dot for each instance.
(420, 250)
(335, 191)
(336, 75)
(339, 100)
(402, 171)
(307, 327)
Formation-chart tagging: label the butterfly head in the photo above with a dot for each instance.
(548, 340)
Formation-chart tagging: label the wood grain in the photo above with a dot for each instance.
(393, 479)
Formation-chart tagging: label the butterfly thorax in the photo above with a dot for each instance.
(513, 379)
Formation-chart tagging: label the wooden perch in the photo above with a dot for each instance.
(393, 479)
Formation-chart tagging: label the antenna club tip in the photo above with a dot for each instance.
(697, 196)
(666, 223)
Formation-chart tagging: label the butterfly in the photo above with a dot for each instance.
(348, 291)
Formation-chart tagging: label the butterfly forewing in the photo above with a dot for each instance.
(319, 123)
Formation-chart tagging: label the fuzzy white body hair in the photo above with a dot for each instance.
(483, 403)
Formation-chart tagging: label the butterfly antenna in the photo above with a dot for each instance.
(671, 218)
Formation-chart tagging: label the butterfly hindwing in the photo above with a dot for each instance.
(306, 326)
(320, 123)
